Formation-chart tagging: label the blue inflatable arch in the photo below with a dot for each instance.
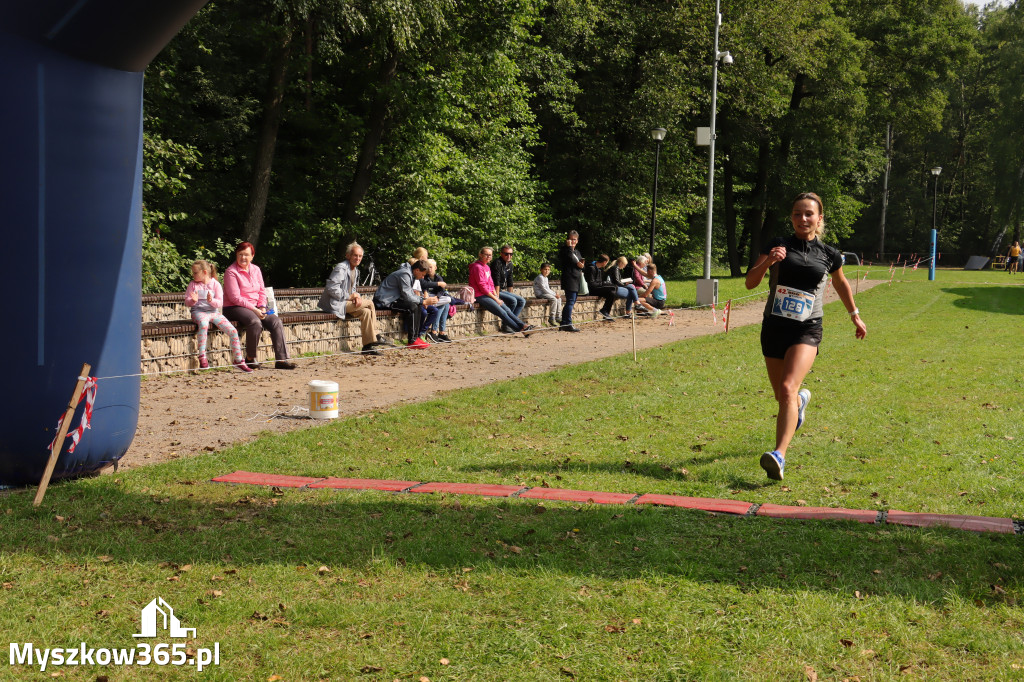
(71, 219)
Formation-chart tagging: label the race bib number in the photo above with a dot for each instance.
(792, 304)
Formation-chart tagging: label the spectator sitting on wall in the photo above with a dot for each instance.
(656, 292)
(624, 288)
(245, 302)
(342, 300)
(501, 275)
(486, 295)
(397, 292)
(594, 274)
(541, 289)
(436, 318)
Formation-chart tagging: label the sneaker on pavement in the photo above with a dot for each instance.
(203, 362)
(528, 329)
(242, 366)
(442, 338)
(655, 312)
(384, 341)
(606, 316)
(285, 364)
(430, 337)
(418, 343)
(773, 464)
(805, 398)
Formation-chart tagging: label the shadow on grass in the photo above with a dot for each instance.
(252, 526)
(988, 299)
(670, 469)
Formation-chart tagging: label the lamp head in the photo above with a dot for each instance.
(936, 171)
(658, 134)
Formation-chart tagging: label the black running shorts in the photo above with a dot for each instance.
(777, 335)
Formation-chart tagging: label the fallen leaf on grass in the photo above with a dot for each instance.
(323, 570)
(812, 676)
(568, 673)
(445, 661)
(614, 628)
(274, 678)
(371, 669)
(846, 642)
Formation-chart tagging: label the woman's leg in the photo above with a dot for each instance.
(500, 311)
(225, 326)
(272, 323)
(786, 376)
(629, 294)
(253, 328)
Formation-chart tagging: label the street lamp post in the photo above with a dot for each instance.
(658, 134)
(936, 171)
(707, 288)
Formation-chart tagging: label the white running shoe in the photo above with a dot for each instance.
(805, 398)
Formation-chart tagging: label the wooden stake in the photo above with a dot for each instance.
(632, 316)
(62, 432)
(728, 313)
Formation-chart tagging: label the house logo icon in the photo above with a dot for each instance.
(159, 614)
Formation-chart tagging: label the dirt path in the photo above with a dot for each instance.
(185, 414)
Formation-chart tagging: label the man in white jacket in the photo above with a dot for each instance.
(341, 298)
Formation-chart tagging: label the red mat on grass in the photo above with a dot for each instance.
(488, 489)
(972, 523)
(702, 503)
(266, 479)
(577, 496)
(364, 484)
(977, 523)
(779, 511)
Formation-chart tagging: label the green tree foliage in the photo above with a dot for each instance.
(452, 124)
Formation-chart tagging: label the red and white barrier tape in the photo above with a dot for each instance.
(89, 391)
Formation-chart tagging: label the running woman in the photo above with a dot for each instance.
(799, 266)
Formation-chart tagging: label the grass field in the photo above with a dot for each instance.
(924, 415)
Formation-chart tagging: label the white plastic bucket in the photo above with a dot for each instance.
(323, 399)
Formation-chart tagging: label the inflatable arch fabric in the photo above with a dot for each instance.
(71, 225)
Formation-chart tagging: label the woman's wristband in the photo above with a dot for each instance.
(855, 312)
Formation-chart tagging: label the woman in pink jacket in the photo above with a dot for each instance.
(245, 302)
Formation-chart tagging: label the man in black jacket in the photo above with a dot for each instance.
(501, 274)
(594, 274)
(571, 264)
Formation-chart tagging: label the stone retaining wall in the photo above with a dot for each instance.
(171, 307)
(175, 349)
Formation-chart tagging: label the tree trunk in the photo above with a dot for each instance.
(885, 190)
(371, 140)
(259, 188)
(775, 201)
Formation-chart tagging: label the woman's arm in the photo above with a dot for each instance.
(845, 292)
(765, 261)
(232, 290)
